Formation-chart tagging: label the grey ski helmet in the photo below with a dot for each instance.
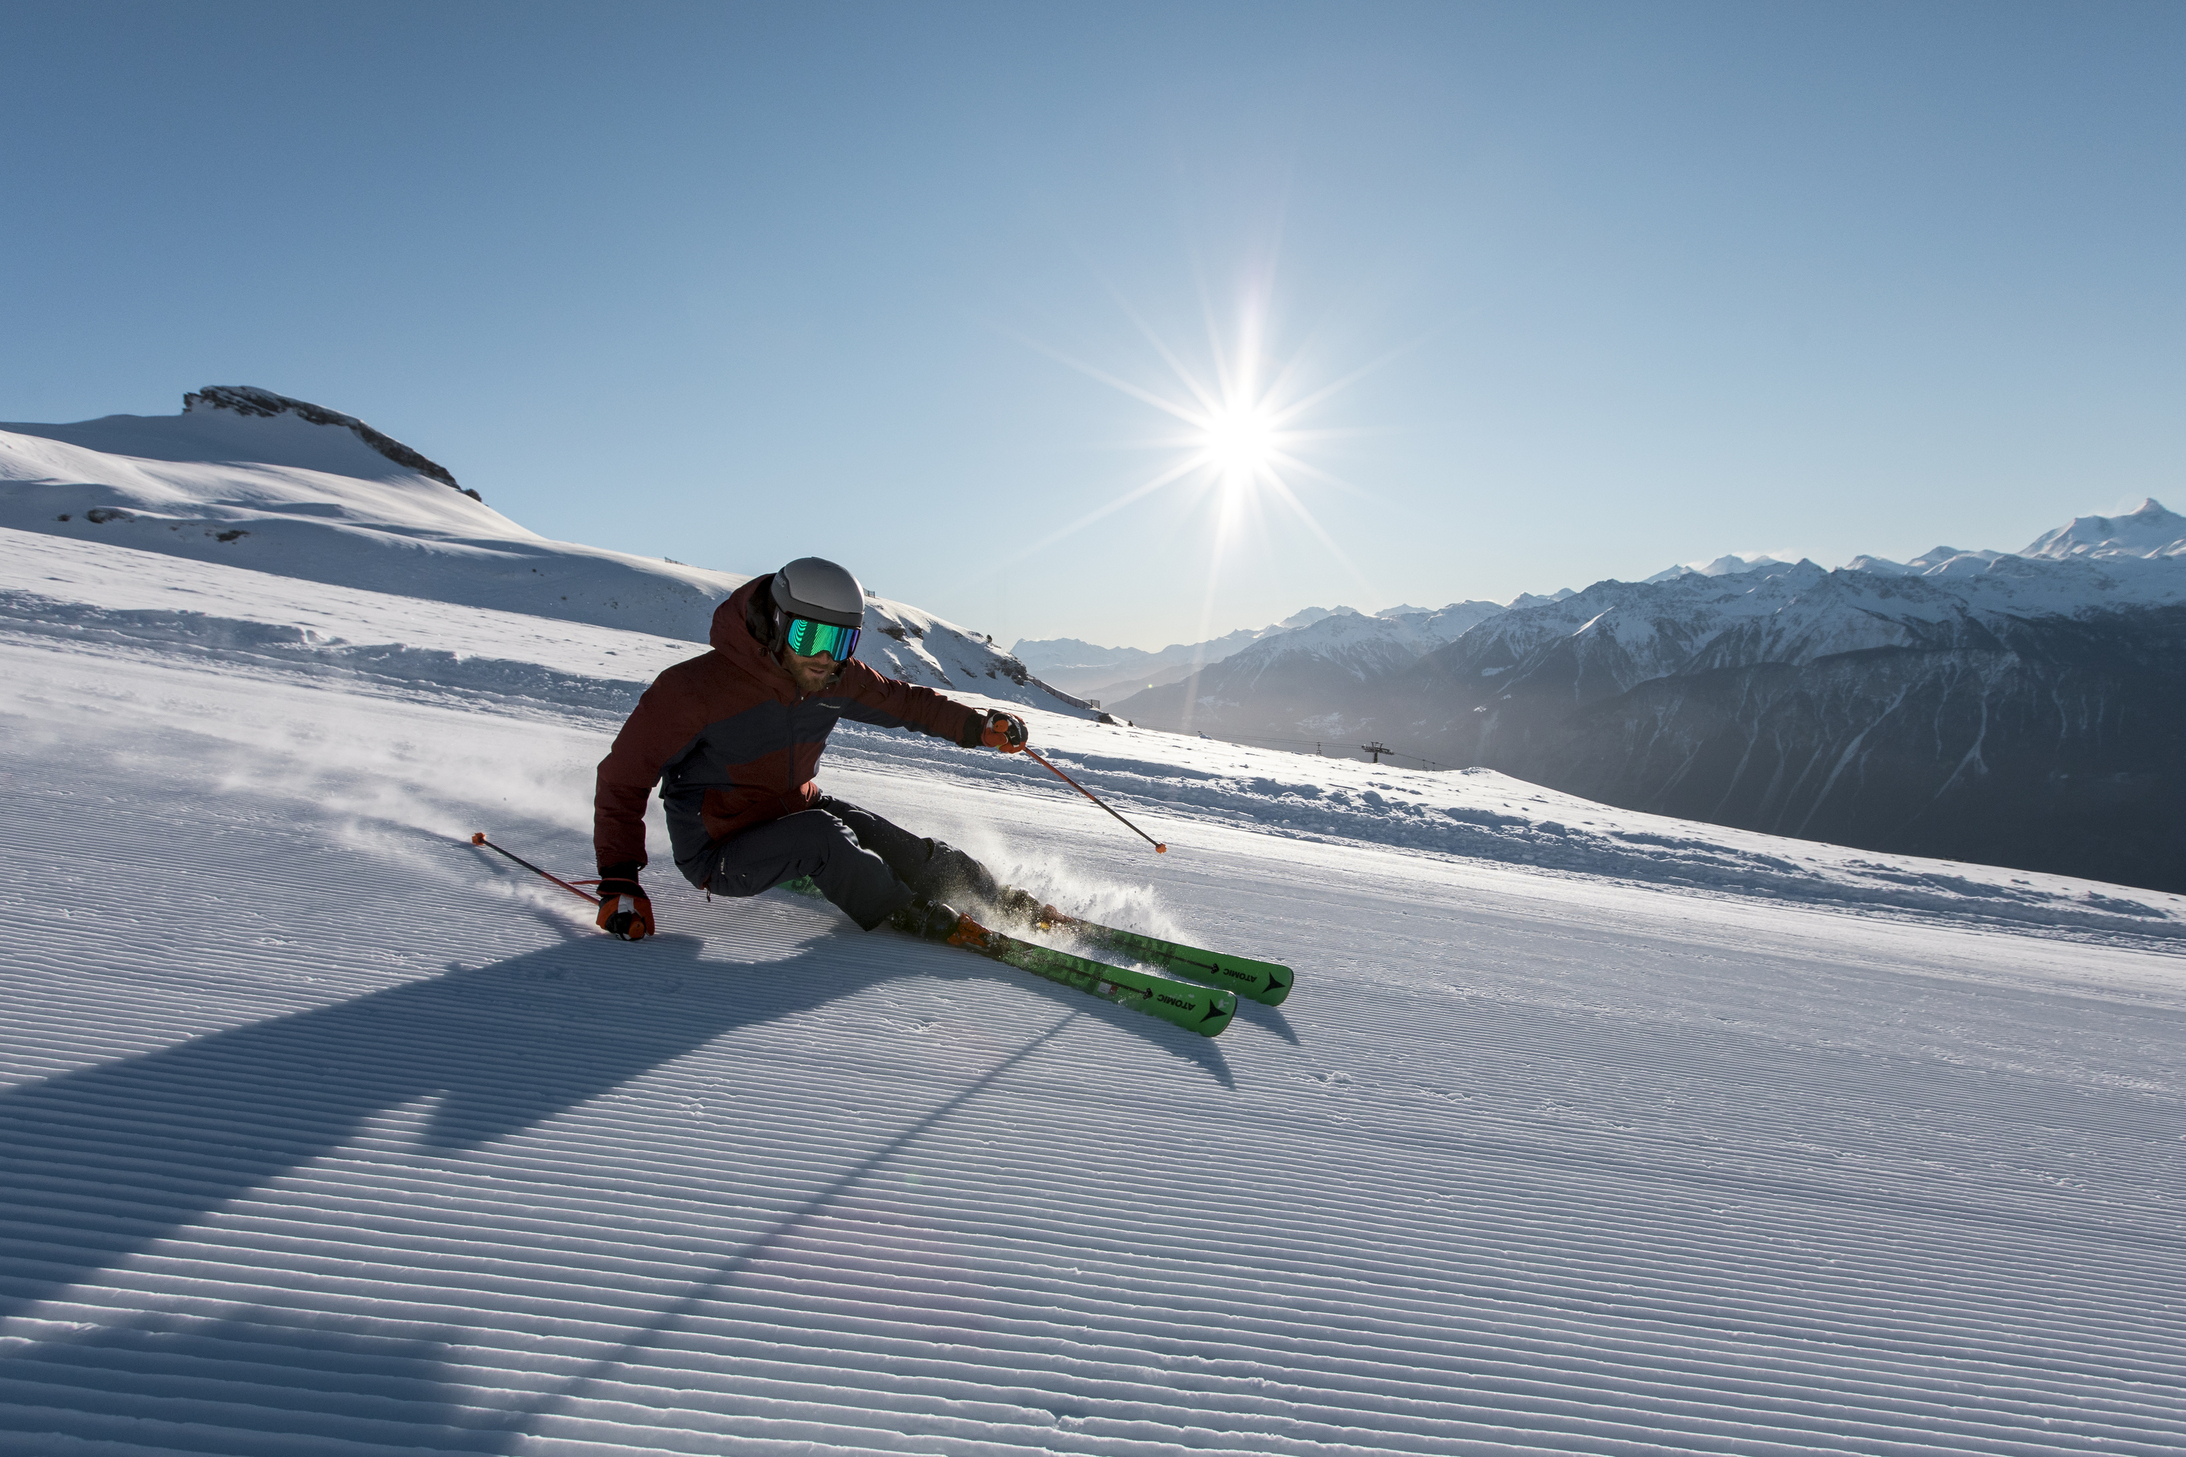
(816, 588)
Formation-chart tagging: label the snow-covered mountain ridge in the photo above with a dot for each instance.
(1087, 669)
(245, 423)
(1615, 635)
(1745, 609)
(248, 478)
(1800, 612)
(1363, 642)
(2147, 531)
(1728, 565)
(2134, 557)
(1362, 649)
(2013, 706)
(247, 400)
(1286, 680)
(1359, 644)
(1624, 633)
(2017, 708)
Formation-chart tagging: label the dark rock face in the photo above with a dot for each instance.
(249, 400)
(2048, 743)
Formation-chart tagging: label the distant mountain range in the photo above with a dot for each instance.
(1088, 670)
(1292, 687)
(2018, 708)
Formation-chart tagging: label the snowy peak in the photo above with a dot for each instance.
(250, 402)
(1536, 599)
(227, 424)
(1079, 667)
(1403, 611)
(1364, 644)
(1941, 561)
(1723, 566)
(1306, 617)
(1800, 612)
(1445, 623)
(2147, 531)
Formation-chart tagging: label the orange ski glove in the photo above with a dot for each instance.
(1005, 731)
(624, 910)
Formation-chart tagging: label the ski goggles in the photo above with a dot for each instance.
(807, 638)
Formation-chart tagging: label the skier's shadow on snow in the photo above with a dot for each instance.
(257, 1376)
(98, 1164)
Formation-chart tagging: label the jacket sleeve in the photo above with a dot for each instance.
(892, 703)
(668, 717)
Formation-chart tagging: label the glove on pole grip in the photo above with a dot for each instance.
(625, 913)
(623, 909)
(1005, 731)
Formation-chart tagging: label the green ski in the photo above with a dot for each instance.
(1205, 1010)
(1263, 981)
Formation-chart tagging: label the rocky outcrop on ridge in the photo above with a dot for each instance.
(250, 400)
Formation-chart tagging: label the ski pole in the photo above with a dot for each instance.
(1159, 848)
(480, 839)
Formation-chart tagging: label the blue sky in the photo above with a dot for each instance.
(1598, 287)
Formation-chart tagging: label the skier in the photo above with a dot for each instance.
(732, 739)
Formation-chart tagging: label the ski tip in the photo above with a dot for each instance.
(1279, 980)
(479, 838)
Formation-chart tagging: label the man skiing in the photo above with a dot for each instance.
(733, 739)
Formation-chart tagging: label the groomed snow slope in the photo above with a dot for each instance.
(1584, 1132)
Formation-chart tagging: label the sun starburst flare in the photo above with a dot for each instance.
(1240, 440)
(1238, 446)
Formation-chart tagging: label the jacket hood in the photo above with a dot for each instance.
(729, 632)
(731, 637)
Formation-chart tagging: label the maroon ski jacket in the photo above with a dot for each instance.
(732, 743)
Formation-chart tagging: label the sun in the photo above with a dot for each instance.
(1242, 441)
(1241, 431)
(1239, 436)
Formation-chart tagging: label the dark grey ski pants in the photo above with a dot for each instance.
(865, 865)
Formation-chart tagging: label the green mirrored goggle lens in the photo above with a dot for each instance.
(807, 638)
